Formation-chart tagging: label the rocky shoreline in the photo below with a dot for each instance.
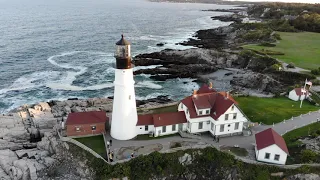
(220, 49)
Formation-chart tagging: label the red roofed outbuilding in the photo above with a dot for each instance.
(271, 147)
(298, 94)
(86, 123)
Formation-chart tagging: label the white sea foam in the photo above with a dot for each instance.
(68, 87)
(66, 82)
(34, 80)
(144, 75)
(145, 67)
(148, 84)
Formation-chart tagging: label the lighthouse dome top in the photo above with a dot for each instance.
(122, 42)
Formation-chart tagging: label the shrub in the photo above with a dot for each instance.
(176, 145)
(277, 36)
(308, 156)
(290, 65)
(266, 44)
(315, 71)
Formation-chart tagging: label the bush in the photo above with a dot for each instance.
(290, 65)
(308, 156)
(277, 36)
(176, 145)
(266, 44)
(315, 71)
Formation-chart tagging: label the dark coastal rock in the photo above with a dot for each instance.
(159, 99)
(160, 44)
(258, 81)
(218, 38)
(229, 18)
(236, 10)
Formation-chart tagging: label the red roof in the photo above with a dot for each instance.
(166, 119)
(269, 137)
(146, 119)
(201, 102)
(299, 91)
(217, 102)
(205, 89)
(92, 117)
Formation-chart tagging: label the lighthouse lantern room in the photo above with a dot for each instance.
(124, 113)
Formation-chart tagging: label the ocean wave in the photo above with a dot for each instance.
(68, 87)
(145, 67)
(34, 80)
(148, 84)
(144, 75)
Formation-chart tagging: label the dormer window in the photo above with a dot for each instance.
(232, 108)
(207, 111)
(200, 112)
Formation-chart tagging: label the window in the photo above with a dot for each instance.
(235, 116)
(200, 125)
(164, 129)
(236, 126)
(146, 128)
(229, 125)
(226, 117)
(77, 129)
(174, 127)
(129, 97)
(208, 122)
(212, 126)
(207, 111)
(276, 157)
(187, 111)
(232, 108)
(93, 128)
(189, 125)
(200, 112)
(181, 106)
(222, 128)
(267, 156)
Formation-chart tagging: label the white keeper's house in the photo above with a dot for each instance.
(271, 147)
(206, 110)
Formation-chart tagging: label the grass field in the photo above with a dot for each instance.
(303, 49)
(272, 110)
(173, 108)
(96, 143)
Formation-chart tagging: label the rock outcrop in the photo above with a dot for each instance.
(304, 177)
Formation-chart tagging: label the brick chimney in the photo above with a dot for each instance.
(210, 85)
(194, 92)
(227, 94)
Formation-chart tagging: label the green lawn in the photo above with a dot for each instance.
(303, 49)
(173, 108)
(96, 143)
(272, 110)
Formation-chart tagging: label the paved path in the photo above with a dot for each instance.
(243, 141)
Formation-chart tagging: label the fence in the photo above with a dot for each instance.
(79, 144)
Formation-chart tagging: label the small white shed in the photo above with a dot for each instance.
(298, 94)
(271, 147)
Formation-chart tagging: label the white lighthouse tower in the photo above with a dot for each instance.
(124, 113)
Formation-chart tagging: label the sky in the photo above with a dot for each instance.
(297, 1)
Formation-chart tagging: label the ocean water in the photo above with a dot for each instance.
(54, 50)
